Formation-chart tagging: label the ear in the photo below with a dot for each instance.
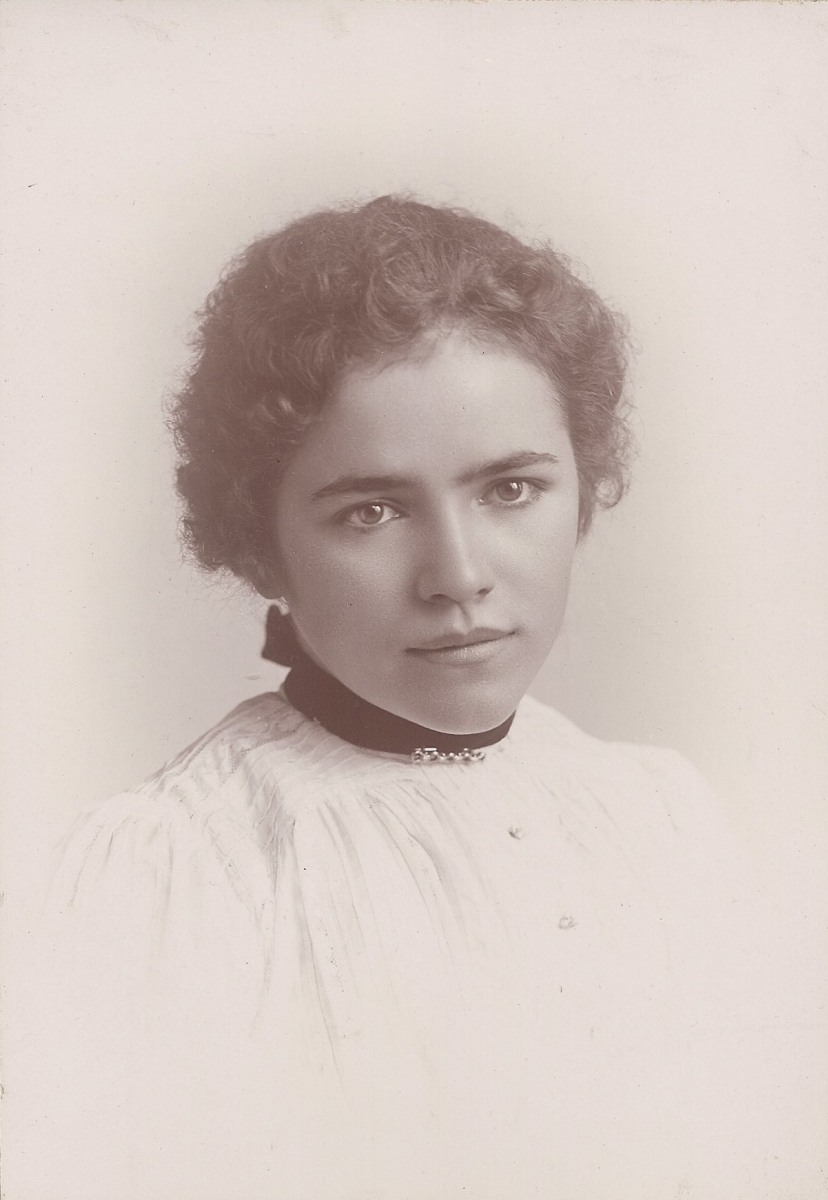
(265, 577)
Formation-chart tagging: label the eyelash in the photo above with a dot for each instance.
(345, 517)
(535, 488)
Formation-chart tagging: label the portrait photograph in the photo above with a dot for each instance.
(413, 639)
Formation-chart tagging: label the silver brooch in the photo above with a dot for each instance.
(430, 754)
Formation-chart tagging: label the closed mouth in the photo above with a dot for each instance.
(457, 642)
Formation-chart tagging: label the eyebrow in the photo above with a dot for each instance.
(349, 485)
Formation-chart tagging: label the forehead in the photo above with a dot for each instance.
(435, 411)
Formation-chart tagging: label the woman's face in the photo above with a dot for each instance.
(425, 531)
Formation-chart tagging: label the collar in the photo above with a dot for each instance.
(320, 696)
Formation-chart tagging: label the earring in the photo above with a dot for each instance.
(282, 605)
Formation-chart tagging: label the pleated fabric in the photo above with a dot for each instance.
(285, 968)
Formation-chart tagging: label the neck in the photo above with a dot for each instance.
(318, 695)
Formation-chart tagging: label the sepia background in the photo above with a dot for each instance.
(677, 150)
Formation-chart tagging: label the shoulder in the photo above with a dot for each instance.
(661, 814)
(675, 828)
(190, 825)
(221, 755)
(663, 770)
(652, 793)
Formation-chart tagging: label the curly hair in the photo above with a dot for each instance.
(359, 285)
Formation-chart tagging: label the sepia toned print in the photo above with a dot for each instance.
(433, 910)
(421, 926)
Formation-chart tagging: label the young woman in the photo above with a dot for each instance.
(397, 930)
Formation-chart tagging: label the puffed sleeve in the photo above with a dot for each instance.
(127, 1077)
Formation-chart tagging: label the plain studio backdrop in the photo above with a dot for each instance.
(677, 150)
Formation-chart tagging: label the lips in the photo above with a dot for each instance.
(460, 650)
(456, 641)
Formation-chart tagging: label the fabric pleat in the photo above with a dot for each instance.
(285, 968)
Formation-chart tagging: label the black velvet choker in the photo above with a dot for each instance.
(323, 698)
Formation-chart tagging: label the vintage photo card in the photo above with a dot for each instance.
(414, 657)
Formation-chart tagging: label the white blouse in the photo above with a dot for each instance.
(285, 968)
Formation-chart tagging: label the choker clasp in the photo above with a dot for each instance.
(430, 754)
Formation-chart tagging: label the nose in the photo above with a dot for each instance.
(454, 565)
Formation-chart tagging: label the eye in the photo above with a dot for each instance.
(513, 492)
(367, 516)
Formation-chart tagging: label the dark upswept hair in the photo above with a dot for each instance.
(362, 285)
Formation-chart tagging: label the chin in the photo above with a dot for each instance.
(464, 698)
(466, 718)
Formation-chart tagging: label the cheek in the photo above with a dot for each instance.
(336, 589)
(549, 543)
(551, 588)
